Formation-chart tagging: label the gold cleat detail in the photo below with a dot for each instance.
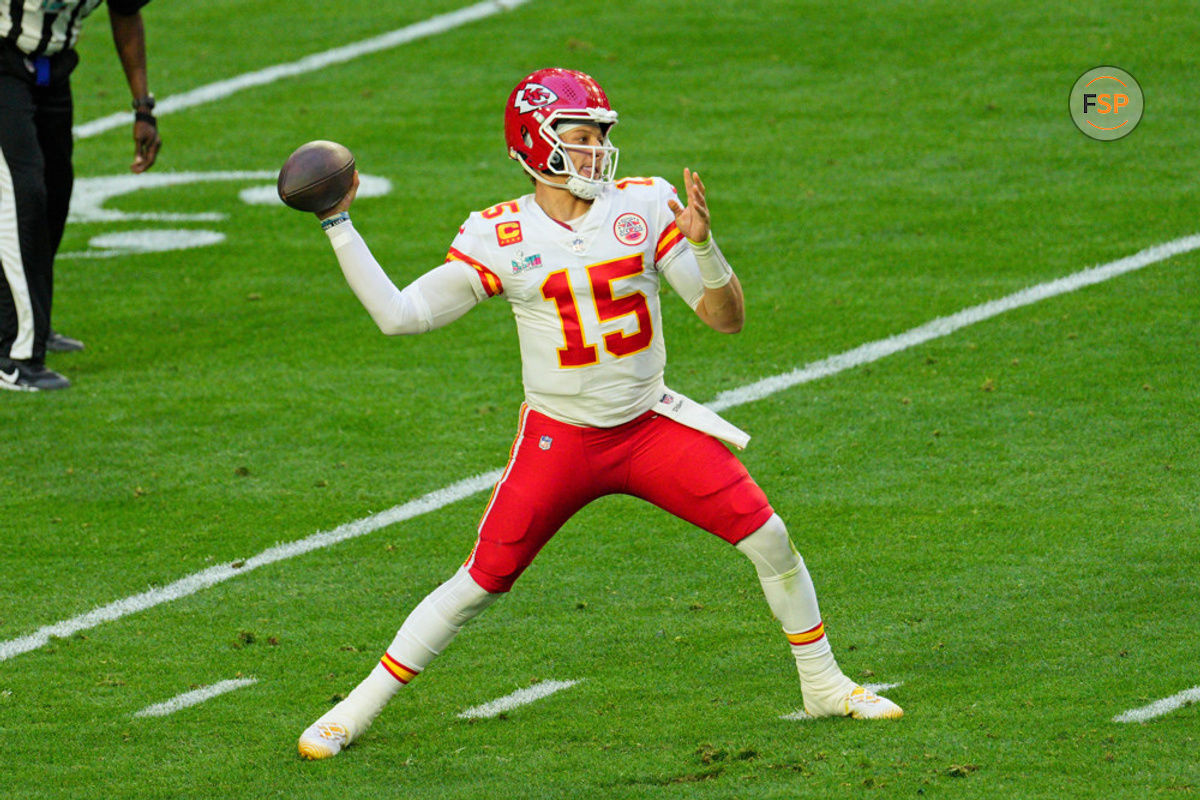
(323, 740)
(862, 703)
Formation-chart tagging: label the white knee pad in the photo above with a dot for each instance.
(460, 599)
(784, 578)
(437, 619)
(771, 549)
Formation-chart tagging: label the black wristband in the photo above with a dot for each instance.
(146, 102)
(145, 116)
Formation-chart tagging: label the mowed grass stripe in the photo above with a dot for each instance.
(864, 354)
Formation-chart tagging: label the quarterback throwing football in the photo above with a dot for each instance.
(580, 260)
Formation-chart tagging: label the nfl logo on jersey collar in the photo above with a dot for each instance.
(579, 238)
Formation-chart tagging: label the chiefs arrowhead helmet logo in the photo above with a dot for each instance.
(533, 96)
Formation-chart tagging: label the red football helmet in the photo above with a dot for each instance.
(543, 100)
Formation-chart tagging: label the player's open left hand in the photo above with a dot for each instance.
(344, 203)
(146, 143)
(693, 221)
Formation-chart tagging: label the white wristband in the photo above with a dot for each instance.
(714, 269)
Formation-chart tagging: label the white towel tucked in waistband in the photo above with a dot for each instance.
(695, 415)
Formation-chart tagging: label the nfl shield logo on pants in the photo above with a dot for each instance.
(545, 442)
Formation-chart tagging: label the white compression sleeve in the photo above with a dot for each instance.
(696, 268)
(437, 298)
(714, 269)
(684, 276)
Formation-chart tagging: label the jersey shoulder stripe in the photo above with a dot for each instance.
(625, 183)
(668, 240)
(491, 282)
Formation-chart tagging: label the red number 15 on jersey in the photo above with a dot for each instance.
(577, 352)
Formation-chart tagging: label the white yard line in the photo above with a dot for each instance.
(1159, 707)
(944, 326)
(469, 486)
(803, 716)
(312, 63)
(194, 697)
(223, 572)
(517, 699)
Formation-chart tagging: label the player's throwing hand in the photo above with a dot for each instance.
(343, 204)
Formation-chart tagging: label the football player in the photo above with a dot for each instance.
(581, 260)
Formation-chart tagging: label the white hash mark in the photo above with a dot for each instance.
(194, 697)
(1160, 707)
(518, 698)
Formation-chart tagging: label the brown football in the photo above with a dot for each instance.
(316, 176)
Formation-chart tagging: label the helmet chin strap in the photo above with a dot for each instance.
(583, 188)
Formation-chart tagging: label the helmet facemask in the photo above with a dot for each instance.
(603, 157)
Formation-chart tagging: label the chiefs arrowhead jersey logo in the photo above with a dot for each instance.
(534, 95)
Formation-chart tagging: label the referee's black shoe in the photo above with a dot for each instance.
(25, 376)
(57, 343)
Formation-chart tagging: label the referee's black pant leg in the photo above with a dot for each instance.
(26, 258)
(53, 118)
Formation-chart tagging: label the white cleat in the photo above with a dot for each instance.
(337, 728)
(855, 701)
(862, 703)
(323, 740)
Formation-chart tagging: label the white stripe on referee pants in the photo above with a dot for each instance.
(14, 266)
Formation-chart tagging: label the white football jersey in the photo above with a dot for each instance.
(586, 297)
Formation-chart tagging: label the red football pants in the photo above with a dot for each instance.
(555, 469)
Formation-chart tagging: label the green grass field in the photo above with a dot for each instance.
(1003, 521)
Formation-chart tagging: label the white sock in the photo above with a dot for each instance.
(427, 630)
(365, 701)
(792, 598)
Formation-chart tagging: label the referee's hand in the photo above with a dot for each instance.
(146, 143)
